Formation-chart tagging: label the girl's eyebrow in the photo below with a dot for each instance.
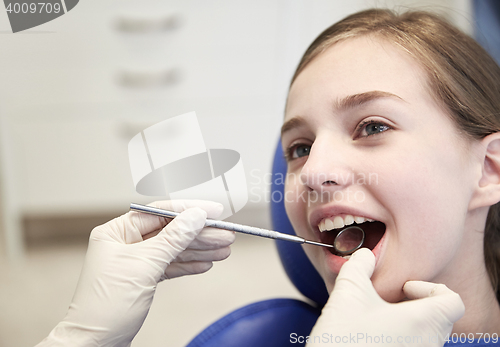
(349, 102)
(356, 100)
(295, 122)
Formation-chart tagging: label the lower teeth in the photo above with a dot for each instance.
(347, 257)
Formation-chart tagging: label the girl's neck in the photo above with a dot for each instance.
(469, 278)
(482, 310)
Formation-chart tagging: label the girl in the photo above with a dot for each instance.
(413, 103)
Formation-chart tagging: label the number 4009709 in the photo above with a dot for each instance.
(40, 7)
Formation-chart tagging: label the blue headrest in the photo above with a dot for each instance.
(268, 323)
(297, 266)
(487, 23)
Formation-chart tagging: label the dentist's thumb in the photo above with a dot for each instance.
(355, 274)
(353, 290)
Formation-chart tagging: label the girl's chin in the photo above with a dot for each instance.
(330, 287)
(388, 280)
(391, 294)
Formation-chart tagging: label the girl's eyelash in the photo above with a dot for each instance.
(364, 123)
(286, 156)
(288, 152)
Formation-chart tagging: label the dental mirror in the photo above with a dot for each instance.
(349, 240)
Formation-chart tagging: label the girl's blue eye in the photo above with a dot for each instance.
(371, 128)
(297, 151)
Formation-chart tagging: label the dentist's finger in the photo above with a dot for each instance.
(213, 238)
(438, 297)
(420, 289)
(176, 236)
(208, 255)
(183, 269)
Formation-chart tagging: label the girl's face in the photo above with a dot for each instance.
(365, 140)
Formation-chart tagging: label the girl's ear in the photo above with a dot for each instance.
(488, 189)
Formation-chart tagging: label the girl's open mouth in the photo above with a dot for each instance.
(374, 231)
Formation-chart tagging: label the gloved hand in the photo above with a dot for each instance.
(355, 313)
(125, 260)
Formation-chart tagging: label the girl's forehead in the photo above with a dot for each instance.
(358, 65)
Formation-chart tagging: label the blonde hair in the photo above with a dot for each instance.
(461, 76)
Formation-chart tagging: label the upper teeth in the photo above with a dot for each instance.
(339, 222)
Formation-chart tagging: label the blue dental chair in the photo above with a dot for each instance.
(271, 322)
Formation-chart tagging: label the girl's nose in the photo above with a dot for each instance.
(326, 168)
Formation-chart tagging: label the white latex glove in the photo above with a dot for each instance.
(125, 260)
(356, 315)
